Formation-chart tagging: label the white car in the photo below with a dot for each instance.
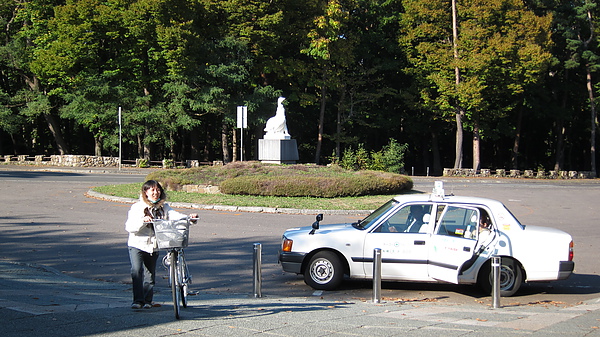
(430, 238)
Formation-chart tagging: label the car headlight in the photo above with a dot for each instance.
(286, 245)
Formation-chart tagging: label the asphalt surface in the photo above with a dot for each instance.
(36, 299)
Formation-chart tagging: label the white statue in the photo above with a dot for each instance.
(276, 127)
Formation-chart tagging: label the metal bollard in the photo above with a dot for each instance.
(257, 270)
(496, 262)
(377, 275)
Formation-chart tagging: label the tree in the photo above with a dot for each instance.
(582, 43)
(495, 47)
(25, 23)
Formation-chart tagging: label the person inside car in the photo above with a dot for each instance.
(415, 219)
(485, 226)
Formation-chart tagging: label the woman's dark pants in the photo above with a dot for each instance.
(143, 270)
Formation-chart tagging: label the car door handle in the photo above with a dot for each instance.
(419, 242)
(467, 249)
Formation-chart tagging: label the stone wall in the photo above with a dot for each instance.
(500, 173)
(63, 160)
(97, 161)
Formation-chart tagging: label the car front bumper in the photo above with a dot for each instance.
(291, 262)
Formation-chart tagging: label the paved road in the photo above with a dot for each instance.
(47, 220)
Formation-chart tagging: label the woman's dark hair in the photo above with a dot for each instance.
(153, 183)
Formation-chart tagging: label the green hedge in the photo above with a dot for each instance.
(357, 184)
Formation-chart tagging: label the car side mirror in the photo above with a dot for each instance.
(315, 224)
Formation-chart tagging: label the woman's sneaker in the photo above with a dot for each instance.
(136, 306)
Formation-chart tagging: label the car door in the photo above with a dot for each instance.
(404, 247)
(453, 242)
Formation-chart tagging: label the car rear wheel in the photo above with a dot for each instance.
(511, 277)
(324, 271)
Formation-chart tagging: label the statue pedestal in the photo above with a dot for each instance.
(277, 151)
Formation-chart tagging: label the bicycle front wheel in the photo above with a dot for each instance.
(175, 284)
(183, 279)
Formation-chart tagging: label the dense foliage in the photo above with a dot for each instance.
(473, 83)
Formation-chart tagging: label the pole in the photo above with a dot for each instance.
(120, 139)
(242, 123)
(496, 282)
(377, 275)
(257, 270)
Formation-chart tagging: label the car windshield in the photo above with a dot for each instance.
(372, 218)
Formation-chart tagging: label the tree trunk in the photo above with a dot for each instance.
(560, 148)
(55, 130)
(459, 110)
(140, 147)
(594, 115)
(560, 135)
(321, 121)
(435, 149)
(172, 142)
(338, 133)
(146, 145)
(224, 145)
(476, 144)
(593, 118)
(235, 146)
(459, 140)
(195, 145)
(338, 129)
(515, 151)
(98, 146)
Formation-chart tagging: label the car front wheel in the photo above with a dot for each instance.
(324, 271)
(511, 277)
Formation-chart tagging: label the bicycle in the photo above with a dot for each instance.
(173, 235)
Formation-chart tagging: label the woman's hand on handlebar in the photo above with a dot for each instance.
(147, 218)
(194, 217)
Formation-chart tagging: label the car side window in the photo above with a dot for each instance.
(459, 222)
(408, 219)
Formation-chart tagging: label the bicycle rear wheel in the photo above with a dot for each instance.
(174, 276)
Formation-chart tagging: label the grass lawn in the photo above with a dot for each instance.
(333, 179)
(347, 203)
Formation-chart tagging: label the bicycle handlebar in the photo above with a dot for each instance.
(188, 219)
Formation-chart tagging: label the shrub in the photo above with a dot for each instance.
(255, 178)
(143, 163)
(357, 184)
(388, 159)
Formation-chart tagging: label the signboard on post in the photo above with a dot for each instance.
(242, 117)
(242, 123)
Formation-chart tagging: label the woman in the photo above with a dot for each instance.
(143, 248)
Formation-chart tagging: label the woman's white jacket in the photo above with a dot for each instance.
(141, 235)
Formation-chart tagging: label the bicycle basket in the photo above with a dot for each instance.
(172, 233)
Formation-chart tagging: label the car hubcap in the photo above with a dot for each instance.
(322, 271)
(507, 277)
